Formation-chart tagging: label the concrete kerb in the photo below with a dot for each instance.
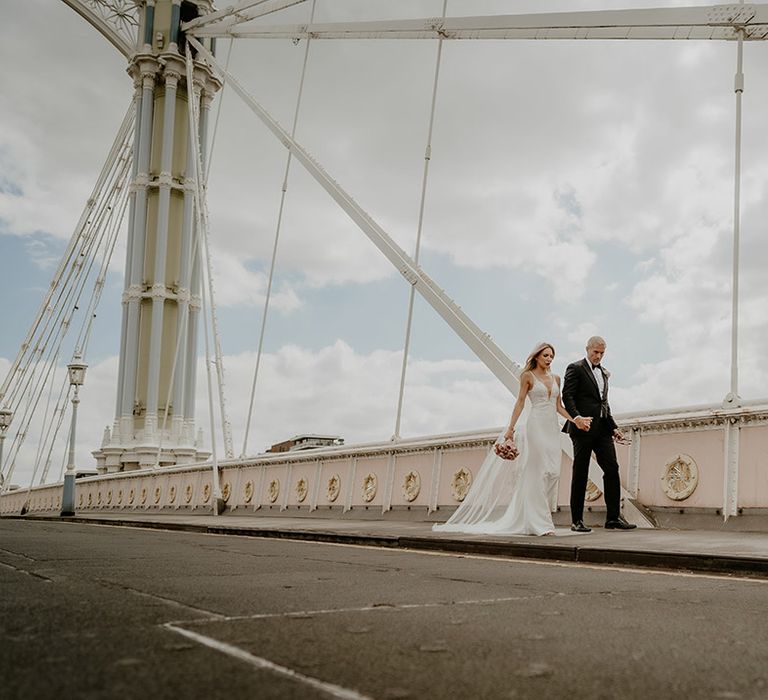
(721, 564)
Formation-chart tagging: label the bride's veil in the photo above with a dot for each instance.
(491, 491)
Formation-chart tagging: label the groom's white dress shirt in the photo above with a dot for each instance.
(598, 377)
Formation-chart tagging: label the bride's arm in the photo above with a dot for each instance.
(560, 408)
(526, 382)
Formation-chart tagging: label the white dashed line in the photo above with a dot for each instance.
(335, 691)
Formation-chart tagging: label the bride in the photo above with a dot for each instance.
(515, 490)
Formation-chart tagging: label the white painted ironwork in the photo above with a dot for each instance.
(732, 398)
(731, 470)
(116, 20)
(202, 228)
(716, 22)
(32, 373)
(278, 228)
(238, 13)
(477, 340)
(419, 228)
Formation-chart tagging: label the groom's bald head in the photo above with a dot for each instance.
(595, 341)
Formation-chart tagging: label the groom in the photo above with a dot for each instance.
(585, 396)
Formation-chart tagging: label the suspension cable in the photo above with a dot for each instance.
(98, 233)
(424, 180)
(49, 364)
(46, 307)
(278, 228)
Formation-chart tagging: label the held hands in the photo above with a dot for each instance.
(583, 423)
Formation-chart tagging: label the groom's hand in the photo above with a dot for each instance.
(582, 423)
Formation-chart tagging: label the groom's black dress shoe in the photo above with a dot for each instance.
(619, 524)
(579, 526)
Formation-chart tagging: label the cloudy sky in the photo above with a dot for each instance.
(575, 188)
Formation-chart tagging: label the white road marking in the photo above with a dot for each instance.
(335, 691)
(364, 608)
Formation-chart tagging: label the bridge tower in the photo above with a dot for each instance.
(163, 276)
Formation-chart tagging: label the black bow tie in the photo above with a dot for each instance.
(597, 367)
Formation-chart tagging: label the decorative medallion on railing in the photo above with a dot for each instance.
(120, 497)
(188, 493)
(158, 494)
(273, 490)
(109, 497)
(593, 492)
(680, 477)
(370, 484)
(302, 489)
(172, 493)
(226, 491)
(411, 486)
(131, 496)
(248, 492)
(334, 488)
(82, 498)
(90, 499)
(143, 497)
(98, 498)
(460, 484)
(206, 493)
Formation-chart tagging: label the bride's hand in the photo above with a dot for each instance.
(506, 449)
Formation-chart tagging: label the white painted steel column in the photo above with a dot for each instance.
(437, 469)
(633, 471)
(159, 289)
(259, 501)
(148, 69)
(389, 485)
(351, 475)
(195, 287)
(731, 470)
(184, 295)
(732, 398)
(315, 497)
(131, 237)
(287, 489)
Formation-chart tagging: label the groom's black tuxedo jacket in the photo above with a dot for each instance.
(582, 397)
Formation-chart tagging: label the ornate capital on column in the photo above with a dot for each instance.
(174, 68)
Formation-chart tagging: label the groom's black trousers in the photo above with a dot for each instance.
(599, 439)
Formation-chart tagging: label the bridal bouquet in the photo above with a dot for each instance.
(506, 450)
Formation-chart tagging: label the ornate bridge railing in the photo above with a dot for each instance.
(683, 466)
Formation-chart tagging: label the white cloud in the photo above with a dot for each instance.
(339, 391)
(235, 284)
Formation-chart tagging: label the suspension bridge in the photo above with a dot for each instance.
(152, 190)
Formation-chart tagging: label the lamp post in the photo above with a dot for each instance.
(5, 422)
(76, 371)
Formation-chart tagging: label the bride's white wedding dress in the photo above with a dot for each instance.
(517, 497)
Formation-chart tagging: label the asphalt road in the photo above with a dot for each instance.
(90, 611)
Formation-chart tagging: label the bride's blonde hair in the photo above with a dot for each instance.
(531, 362)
